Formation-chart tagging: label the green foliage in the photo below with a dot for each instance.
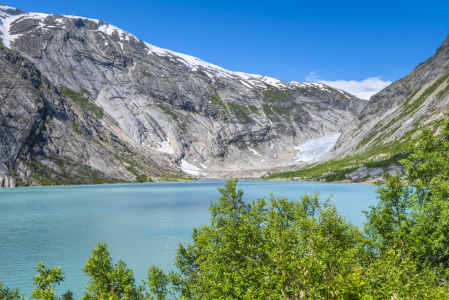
(395, 159)
(157, 282)
(254, 109)
(338, 175)
(277, 96)
(147, 74)
(167, 110)
(136, 169)
(279, 249)
(46, 281)
(240, 111)
(428, 172)
(9, 294)
(262, 249)
(83, 102)
(281, 110)
(268, 112)
(410, 106)
(388, 223)
(215, 100)
(415, 217)
(48, 177)
(274, 248)
(106, 279)
(338, 166)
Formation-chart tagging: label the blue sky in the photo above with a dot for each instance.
(359, 46)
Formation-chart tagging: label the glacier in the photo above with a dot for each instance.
(314, 148)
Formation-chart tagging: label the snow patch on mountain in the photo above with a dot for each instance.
(254, 151)
(190, 169)
(6, 20)
(165, 147)
(314, 148)
(260, 82)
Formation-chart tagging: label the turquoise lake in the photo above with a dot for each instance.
(142, 223)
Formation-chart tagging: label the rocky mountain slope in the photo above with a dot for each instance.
(46, 138)
(373, 143)
(395, 114)
(174, 112)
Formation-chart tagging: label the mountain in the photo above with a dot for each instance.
(419, 100)
(175, 113)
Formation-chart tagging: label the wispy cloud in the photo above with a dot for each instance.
(363, 89)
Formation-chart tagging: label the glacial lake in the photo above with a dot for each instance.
(142, 223)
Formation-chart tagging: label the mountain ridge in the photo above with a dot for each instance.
(173, 108)
(388, 122)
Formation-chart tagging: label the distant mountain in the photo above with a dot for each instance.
(172, 112)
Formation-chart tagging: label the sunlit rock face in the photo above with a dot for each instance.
(393, 115)
(171, 108)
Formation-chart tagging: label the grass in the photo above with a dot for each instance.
(240, 111)
(443, 92)
(167, 110)
(277, 95)
(281, 110)
(395, 149)
(136, 169)
(49, 177)
(319, 108)
(147, 74)
(339, 175)
(177, 177)
(215, 100)
(85, 104)
(77, 129)
(268, 112)
(410, 107)
(254, 109)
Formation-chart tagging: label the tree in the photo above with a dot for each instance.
(9, 294)
(108, 280)
(267, 249)
(389, 223)
(46, 280)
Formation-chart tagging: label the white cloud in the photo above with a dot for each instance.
(363, 89)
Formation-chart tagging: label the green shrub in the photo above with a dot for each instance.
(254, 109)
(83, 102)
(240, 111)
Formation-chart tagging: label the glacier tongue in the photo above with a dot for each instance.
(314, 148)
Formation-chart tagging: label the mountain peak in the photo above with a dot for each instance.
(8, 10)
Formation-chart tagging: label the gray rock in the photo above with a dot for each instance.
(7, 181)
(364, 173)
(405, 105)
(168, 107)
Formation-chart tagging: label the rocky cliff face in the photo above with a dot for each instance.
(46, 138)
(172, 110)
(395, 114)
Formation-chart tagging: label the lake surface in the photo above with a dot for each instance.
(142, 223)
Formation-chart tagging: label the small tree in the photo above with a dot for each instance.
(108, 280)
